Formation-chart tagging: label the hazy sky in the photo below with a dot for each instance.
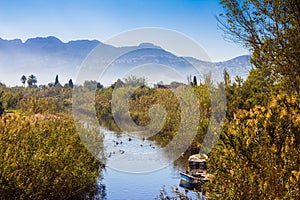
(102, 19)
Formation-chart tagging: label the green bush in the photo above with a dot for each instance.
(42, 157)
(258, 154)
(143, 99)
(34, 105)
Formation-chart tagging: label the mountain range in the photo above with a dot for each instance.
(47, 56)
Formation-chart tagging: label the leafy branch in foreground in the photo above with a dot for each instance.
(258, 154)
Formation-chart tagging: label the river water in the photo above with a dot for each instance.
(123, 176)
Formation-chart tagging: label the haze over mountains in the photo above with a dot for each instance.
(46, 57)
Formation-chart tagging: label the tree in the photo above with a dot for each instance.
(32, 80)
(50, 85)
(1, 104)
(134, 81)
(71, 85)
(195, 81)
(189, 79)
(270, 29)
(1, 109)
(29, 82)
(118, 83)
(226, 78)
(258, 152)
(239, 80)
(56, 80)
(90, 85)
(23, 80)
(99, 86)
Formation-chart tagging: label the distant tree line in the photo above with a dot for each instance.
(31, 81)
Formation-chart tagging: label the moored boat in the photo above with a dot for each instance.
(194, 177)
(196, 174)
(198, 161)
(187, 185)
(187, 177)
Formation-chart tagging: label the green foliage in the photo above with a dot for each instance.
(9, 98)
(71, 85)
(143, 99)
(258, 156)
(31, 80)
(245, 95)
(33, 105)
(176, 195)
(134, 81)
(103, 108)
(92, 85)
(271, 30)
(41, 154)
(23, 79)
(42, 157)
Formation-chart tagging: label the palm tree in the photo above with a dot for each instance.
(32, 80)
(23, 80)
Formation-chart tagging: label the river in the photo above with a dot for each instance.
(123, 177)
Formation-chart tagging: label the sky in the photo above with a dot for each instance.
(103, 19)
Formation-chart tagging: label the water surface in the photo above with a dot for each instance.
(121, 184)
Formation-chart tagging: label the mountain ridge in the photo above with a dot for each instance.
(48, 56)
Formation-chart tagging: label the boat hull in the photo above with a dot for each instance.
(187, 185)
(186, 177)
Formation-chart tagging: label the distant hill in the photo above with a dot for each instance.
(48, 56)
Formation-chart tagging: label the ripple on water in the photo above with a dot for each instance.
(124, 185)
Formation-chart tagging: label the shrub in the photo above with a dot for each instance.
(42, 157)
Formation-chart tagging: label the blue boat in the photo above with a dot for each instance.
(187, 185)
(187, 177)
(197, 172)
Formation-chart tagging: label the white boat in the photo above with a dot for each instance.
(198, 161)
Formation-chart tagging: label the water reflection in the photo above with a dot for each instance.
(120, 184)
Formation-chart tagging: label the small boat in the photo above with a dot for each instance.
(187, 185)
(187, 177)
(198, 161)
(193, 177)
(197, 172)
